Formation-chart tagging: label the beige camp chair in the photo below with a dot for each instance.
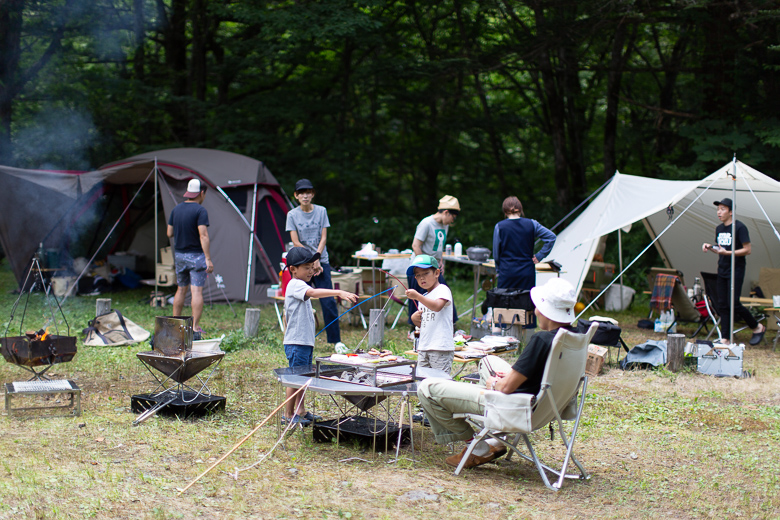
(521, 414)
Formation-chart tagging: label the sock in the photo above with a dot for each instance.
(481, 449)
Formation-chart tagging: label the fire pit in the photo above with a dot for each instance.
(37, 348)
(179, 359)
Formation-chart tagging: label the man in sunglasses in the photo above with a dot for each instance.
(429, 239)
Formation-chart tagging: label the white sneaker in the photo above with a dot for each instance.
(341, 348)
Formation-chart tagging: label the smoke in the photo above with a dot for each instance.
(57, 139)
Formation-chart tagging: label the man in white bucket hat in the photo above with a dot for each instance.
(442, 398)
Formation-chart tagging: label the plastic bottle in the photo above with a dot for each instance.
(448, 249)
(458, 249)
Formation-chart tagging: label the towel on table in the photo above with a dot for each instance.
(662, 291)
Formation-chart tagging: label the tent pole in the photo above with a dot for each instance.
(251, 243)
(620, 261)
(733, 243)
(156, 228)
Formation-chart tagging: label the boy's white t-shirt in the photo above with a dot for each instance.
(300, 318)
(436, 327)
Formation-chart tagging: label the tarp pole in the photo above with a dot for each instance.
(251, 244)
(620, 261)
(733, 243)
(156, 228)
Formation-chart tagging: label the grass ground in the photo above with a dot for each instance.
(657, 444)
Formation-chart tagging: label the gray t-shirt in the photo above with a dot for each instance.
(433, 236)
(300, 318)
(309, 227)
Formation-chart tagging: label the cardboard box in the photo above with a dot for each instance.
(166, 255)
(373, 282)
(166, 275)
(596, 357)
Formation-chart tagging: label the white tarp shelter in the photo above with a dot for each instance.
(628, 199)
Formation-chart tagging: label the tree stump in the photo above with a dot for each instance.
(376, 327)
(251, 322)
(102, 306)
(675, 352)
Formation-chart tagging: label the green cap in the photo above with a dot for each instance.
(423, 261)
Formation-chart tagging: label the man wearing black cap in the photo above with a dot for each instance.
(741, 245)
(308, 226)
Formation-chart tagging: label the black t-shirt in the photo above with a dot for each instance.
(723, 239)
(185, 219)
(533, 359)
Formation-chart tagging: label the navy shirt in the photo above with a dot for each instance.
(185, 219)
(513, 251)
(723, 239)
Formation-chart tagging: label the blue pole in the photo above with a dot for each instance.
(354, 306)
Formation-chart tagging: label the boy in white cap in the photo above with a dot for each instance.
(430, 238)
(188, 230)
(436, 348)
(441, 398)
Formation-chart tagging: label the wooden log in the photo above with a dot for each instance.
(102, 306)
(675, 352)
(376, 327)
(251, 322)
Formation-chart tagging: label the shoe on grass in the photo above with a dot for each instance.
(473, 460)
(312, 417)
(296, 420)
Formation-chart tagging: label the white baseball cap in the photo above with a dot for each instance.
(555, 300)
(193, 189)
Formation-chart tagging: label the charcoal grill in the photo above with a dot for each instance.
(33, 349)
(178, 359)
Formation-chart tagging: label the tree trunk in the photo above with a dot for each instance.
(614, 76)
(10, 51)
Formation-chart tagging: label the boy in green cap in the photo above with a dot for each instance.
(436, 348)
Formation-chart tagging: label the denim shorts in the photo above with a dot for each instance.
(299, 355)
(190, 269)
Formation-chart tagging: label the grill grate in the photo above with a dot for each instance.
(42, 386)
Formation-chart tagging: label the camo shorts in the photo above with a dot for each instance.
(190, 269)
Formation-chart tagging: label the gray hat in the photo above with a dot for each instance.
(300, 255)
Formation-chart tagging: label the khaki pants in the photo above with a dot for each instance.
(442, 398)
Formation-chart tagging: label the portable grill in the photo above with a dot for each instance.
(40, 348)
(179, 359)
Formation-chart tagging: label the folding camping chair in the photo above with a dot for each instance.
(710, 281)
(561, 397)
(669, 293)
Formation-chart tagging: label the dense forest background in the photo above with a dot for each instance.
(388, 105)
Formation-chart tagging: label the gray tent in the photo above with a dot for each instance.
(244, 200)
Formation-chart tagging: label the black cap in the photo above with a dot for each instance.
(725, 202)
(303, 184)
(300, 255)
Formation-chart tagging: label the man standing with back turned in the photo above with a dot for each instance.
(188, 230)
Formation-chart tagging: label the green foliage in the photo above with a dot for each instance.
(387, 106)
(267, 339)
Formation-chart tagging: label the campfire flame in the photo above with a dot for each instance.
(45, 334)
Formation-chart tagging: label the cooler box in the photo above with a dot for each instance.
(721, 361)
(166, 255)
(165, 274)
